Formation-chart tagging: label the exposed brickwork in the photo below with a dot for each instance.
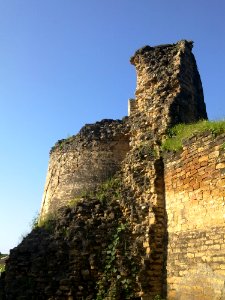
(195, 205)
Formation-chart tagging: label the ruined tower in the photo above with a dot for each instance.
(169, 90)
(78, 164)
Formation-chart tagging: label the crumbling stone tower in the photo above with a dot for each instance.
(169, 91)
(80, 163)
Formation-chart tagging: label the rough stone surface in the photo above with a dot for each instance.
(65, 259)
(79, 163)
(169, 90)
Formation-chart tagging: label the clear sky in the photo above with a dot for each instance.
(64, 63)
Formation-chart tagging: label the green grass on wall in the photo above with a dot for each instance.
(180, 132)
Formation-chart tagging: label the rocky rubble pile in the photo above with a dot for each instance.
(78, 255)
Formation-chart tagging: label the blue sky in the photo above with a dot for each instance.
(64, 63)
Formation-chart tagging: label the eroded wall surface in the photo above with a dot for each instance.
(169, 90)
(195, 206)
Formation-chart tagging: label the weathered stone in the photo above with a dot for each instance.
(79, 163)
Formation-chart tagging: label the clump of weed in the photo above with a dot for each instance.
(144, 151)
(111, 188)
(48, 222)
(180, 132)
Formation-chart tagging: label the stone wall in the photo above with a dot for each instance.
(168, 92)
(78, 164)
(195, 206)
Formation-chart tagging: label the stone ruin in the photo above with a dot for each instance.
(156, 227)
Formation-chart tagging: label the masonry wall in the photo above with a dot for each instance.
(195, 205)
(168, 91)
(82, 162)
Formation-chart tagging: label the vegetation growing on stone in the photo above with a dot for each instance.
(48, 223)
(180, 132)
(109, 188)
(115, 283)
(70, 236)
(2, 262)
(2, 268)
(144, 151)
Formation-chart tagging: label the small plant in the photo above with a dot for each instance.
(113, 283)
(144, 151)
(2, 268)
(48, 223)
(180, 132)
(73, 202)
(2, 262)
(108, 189)
(34, 222)
(158, 297)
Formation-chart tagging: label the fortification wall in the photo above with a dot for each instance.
(195, 206)
(82, 162)
(168, 91)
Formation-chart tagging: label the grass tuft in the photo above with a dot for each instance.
(180, 132)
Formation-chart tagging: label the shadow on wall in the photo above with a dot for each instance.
(160, 192)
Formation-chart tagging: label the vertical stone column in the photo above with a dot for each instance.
(169, 90)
